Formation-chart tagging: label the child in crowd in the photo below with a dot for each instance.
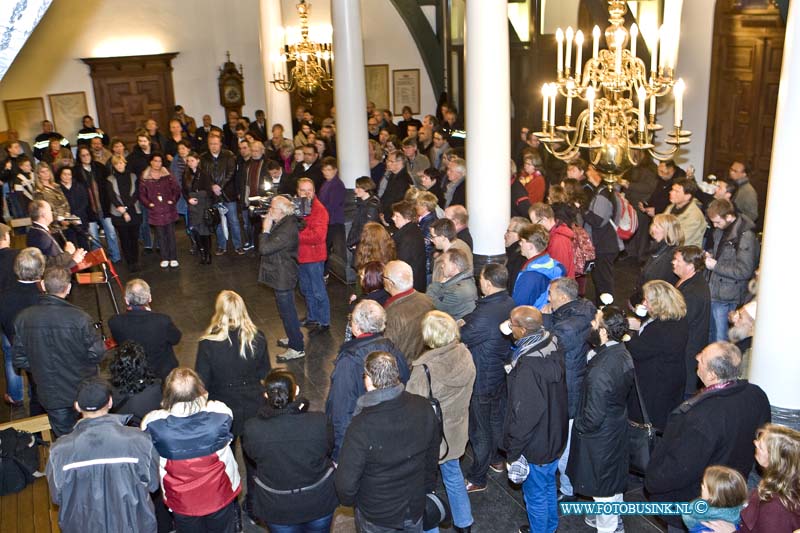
(725, 491)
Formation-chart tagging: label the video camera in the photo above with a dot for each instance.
(258, 206)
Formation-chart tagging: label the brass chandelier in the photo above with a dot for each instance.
(305, 67)
(614, 131)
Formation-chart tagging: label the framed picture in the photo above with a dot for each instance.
(25, 115)
(377, 80)
(405, 87)
(68, 110)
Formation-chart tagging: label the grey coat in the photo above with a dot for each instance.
(278, 250)
(746, 199)
(736, 252)
(455, 296)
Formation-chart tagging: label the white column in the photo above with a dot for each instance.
(350, 96)
(775, 365)
(279, 108)
(488, 113)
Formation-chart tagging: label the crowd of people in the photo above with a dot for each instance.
(440, 353)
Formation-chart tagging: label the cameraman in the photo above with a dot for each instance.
(312, 254)
(278, 248)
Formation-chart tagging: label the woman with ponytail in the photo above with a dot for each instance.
(291, 448)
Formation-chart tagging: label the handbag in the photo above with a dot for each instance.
(641, 437)
(211, 217)
(437, 410)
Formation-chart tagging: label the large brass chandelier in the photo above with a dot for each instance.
(614, 131)
(304, 66)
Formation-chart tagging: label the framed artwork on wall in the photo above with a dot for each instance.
(405, 87)
(68, 110)
(25, 115)
(377, 81)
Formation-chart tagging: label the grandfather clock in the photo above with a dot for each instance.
(231, 86)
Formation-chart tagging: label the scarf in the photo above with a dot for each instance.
(450, 190)
(374, 397)
(524, 343)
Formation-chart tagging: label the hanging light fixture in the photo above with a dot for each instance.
(305, 67)
(614, 129)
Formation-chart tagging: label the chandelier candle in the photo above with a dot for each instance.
(595, 42)
(579, 52)
(570, 36)
(560, 41)
(642, 94)
(634, 36)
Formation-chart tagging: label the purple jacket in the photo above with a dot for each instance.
(331, 194)
(161, 212)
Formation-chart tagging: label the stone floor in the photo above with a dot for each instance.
(188, 294)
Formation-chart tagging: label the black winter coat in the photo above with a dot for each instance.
(514, 262)
(658, 355)
(658, 266)
(59, 344)
(598, 455)
(715, 427)
(698, 314)
(536, 423)
(395, 191)
(233, 379)
(139, 404)
(278, 250)
(490, 349)
(571, 324)
(16, 298)
(291, 448)
(157, 334)
(410, 246)
(389, 460)
(197, 185)
(78, 198)
(368, 210)
(122, 190)
(221, 171)
(347, 380)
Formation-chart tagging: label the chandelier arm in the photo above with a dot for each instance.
(663, 156)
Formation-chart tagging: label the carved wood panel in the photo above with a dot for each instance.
(129, 90)
(745, 73)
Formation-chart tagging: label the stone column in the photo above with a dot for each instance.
(350, 95)
(775, 365)
(279, 107)
(488, 115)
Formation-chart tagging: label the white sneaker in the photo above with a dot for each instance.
(290, 354)
(174, 264)
(283, 342)
(164, 264)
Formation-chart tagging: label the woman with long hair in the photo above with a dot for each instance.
(159, 192)
(291, 450)
(658, 348)
(137, 390)
(48, 190)
(375, 245)
(78, 198)
(197, 189)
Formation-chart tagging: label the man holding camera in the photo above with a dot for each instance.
(277, 245)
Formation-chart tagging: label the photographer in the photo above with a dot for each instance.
(277, 245)
(220, 165)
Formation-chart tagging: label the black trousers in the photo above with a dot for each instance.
(62, 420)
(603, 275)
(222, 521)
(129, 242)
(336, 242)
(166, 240)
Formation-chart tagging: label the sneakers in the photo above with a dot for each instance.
(472, 487)
(174, 264)
(498, 467)
(220, 251)
(283, 342)
(249, 246)
(239, 251)
(164, 264)
(290, 354)
(591, 521)
(524, 529)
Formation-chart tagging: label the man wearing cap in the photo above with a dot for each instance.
(101, 475)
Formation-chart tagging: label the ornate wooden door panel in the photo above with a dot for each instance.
(130, 90)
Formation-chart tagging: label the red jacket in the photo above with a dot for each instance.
(313, 237)
(560, 247)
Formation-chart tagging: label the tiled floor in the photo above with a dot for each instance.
(188, 295)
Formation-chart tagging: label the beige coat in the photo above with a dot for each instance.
(452, 376)
(404, 323)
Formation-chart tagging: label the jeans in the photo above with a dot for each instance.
(541, 503)
(288, 313)
(62, 420)
(166, 236)
(607, 523)
(111, 237)
(144, 230)
(222, 521)
(232, 218)
(247, 225)
(365, 526)
(320, 525)
(312, 286)
(456, 494)
(13, 380)
(718, 325)
(486, 414)
(566, 485)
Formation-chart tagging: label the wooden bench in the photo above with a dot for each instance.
(30, 510)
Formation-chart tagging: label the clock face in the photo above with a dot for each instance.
(232, 94)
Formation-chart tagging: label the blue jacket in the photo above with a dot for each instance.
(347, 383)
(534, 278)
(331, 194)
(571, 324)
(489, 347)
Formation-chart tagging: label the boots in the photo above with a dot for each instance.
(204, 242)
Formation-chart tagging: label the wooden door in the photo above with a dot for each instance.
(745, 74)
(129, 90)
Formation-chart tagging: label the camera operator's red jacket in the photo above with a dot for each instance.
(313, 237)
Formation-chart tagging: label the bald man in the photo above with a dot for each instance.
(404, 309)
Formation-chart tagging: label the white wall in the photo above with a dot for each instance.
(201, 30)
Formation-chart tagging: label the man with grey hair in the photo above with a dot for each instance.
(714, 427)
(455, 191)
(60, 346)
(388, 459)
(453, 287)
(404, 309)
(39, 236)
(460, 217)
(23, 293)
(367, 323)
(155, 332)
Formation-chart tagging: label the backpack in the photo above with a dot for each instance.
(582, 249)
(19, 459)
(625, 220)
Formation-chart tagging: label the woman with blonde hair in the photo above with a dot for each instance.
(48, 190)
(375, 245)
(667, 237)
(658, 348)
(447, 373)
